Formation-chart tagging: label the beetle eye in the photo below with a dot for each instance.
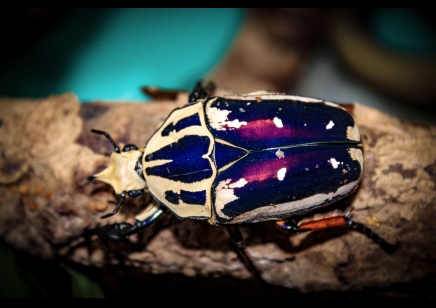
(129, 147)
(135, 193)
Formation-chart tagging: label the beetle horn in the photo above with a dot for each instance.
(112, 175)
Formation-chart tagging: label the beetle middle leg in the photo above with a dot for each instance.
(236, 236)
(330, 220)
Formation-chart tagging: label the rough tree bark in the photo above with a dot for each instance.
(47, 151)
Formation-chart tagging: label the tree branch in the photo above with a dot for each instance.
(48, 207)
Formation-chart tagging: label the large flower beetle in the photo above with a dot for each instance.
(235, 159)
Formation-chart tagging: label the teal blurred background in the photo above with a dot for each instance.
(99, 54)
(109, 54)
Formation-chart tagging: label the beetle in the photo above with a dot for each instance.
(232, 159)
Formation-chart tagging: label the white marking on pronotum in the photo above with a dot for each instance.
(330, 125)
(278, 122)
(218, 119)
(334, 162)
(280, 154)
(281, 174)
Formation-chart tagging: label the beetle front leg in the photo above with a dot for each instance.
(330, 220)
(131, 193)
(121, 231)
(120, 202)
(147, 217)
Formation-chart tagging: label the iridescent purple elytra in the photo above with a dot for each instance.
(254, 157)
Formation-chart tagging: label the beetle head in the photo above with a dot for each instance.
(124, 172)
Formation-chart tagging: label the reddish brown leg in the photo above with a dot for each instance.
(331, 220)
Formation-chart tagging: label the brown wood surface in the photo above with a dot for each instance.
(47, 204)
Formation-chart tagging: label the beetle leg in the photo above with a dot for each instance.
(148, 211)
(315, 222)
(123, 197)
(122, 230)
(390, 248)
(152, 214)
(333, 219)
(289, 226)
(131, 193)
(236, 236)
(115, 232)
(201, 91)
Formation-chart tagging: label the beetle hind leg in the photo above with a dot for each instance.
(333, 219)
(290, 227)
(390, 248)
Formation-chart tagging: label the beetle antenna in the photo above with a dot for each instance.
(100, 132)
